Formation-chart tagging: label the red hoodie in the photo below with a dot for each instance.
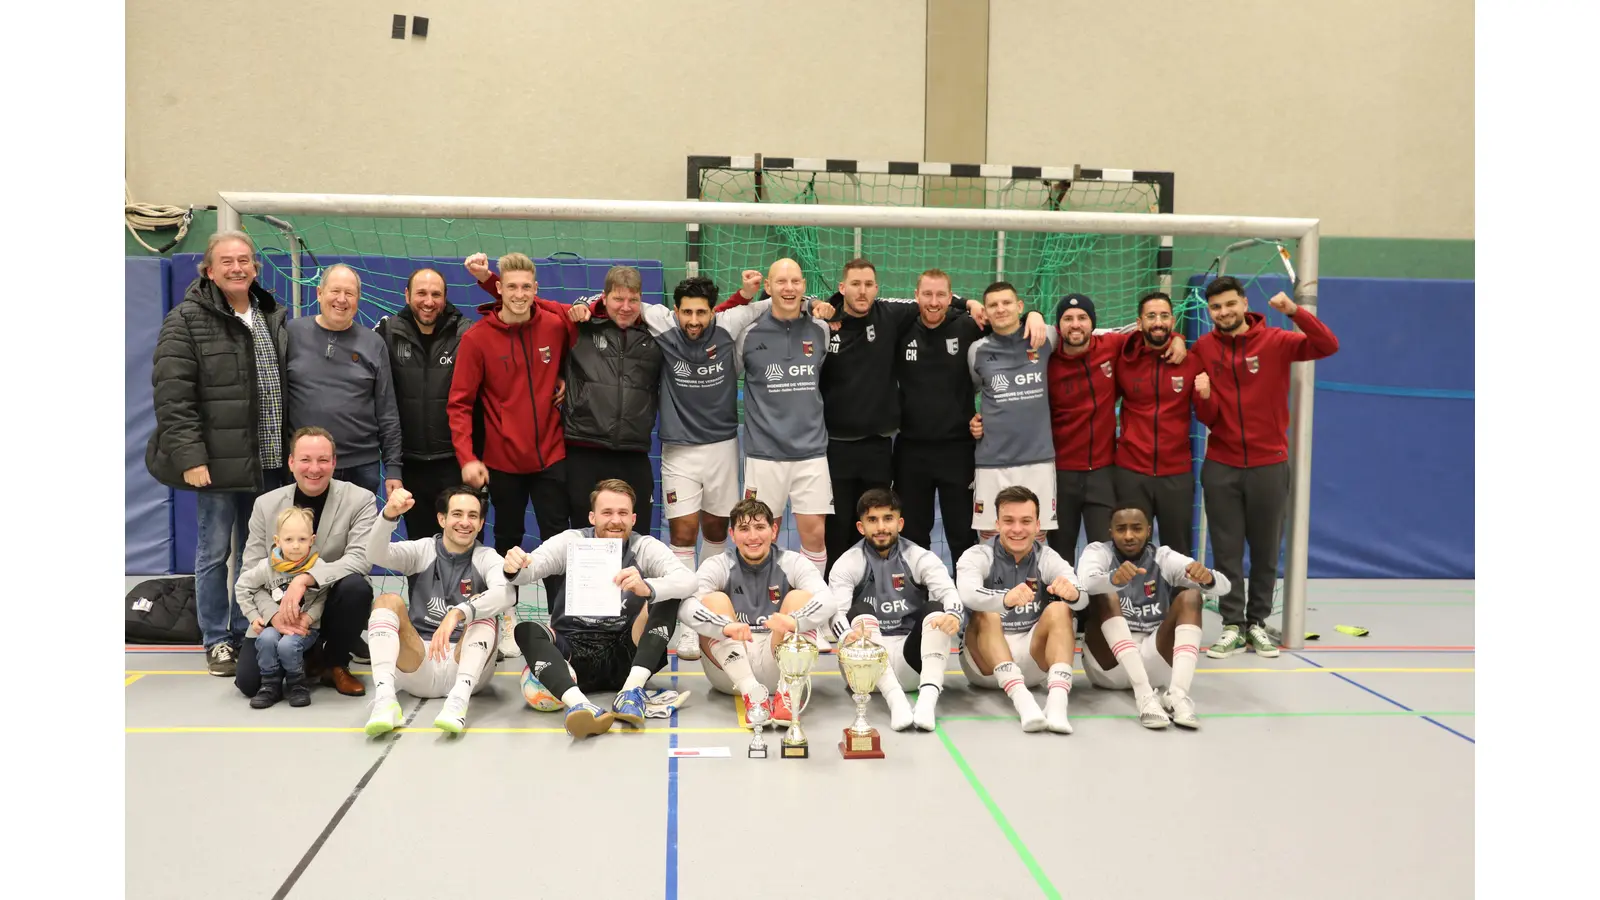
(1155, 409)
(512, 371)
(1248, 412)
(1083, 403)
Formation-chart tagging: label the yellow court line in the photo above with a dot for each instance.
(139, 673)
(132, 678)
(253, 729)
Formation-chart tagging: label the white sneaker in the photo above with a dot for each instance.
(453, 718)
(386, 715)
(923, 716)
(1181, 708)
(1028, 711)
(900, 715)
(508, 640)
(687, 645)
(1151, 715)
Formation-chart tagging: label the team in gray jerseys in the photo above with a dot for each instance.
(1139, 588)
(1020, 596)
(444, 645)
(577, 653)
(899, 595)
(745, 602)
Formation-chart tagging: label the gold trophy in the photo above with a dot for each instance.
(863, 661)
(796, 655)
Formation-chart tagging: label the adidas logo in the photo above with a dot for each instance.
(733, 656)
(538, 668)
(661, 631)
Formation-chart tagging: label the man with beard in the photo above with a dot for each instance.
(1245, 403)
(422, 340)
(1154, 465)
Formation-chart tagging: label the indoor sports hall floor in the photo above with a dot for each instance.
(1340, 771)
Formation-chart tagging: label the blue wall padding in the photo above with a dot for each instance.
(147, 510)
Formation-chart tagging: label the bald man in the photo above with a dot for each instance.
(786, 438)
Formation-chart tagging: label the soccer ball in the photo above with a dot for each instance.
(536, 694)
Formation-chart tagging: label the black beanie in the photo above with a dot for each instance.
(1074, 301)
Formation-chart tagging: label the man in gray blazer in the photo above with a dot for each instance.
(343, 515)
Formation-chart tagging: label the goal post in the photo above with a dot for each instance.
(1304, 232)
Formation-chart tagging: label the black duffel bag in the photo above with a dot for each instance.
(161, 611)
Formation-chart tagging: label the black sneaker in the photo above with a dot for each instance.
(270, 693)
(221, 660)
(299, 692)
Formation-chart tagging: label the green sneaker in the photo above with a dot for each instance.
(1231, 643)
(386, 716)
(1261, 642)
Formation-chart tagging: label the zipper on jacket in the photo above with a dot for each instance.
(1238, 397)
(1094, 406)
(622, 359)
(533, 400)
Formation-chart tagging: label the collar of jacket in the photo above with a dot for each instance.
(1256, 322)
(209, 294)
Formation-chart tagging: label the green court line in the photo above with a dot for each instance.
(999, 818)
(1236, 715)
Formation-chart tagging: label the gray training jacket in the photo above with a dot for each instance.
(781, 360)
(699, 388)
(1014, 399)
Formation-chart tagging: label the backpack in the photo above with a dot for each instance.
(161, 611)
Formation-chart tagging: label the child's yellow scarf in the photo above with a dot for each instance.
(279, 564)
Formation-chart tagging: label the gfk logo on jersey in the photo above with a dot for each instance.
(1023, 378)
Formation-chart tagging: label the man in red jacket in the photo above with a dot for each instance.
(1154, 468)
(1244, 400)
(509, 364)
(1083, 421)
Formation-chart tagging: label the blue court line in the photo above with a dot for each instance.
(1384, 391)
(1391, 700)
(672, 802)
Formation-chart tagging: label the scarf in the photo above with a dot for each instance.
(279, 564)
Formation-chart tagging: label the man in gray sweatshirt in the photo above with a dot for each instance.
(339, 379)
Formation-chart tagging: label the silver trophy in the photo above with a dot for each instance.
(759, 716)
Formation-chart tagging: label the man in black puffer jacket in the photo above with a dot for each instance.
(422, 341)
(219, 405)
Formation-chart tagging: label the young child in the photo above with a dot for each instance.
(260, 590)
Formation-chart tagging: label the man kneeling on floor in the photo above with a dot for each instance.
(458, 591)
(1019, 596)
(1154, 592)
(901, 596)
(748, 599)
(603, 653)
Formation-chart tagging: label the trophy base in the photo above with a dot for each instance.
(757, 753)
(861, 746)
(796, 751)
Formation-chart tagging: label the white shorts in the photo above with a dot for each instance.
(700, 478)
(1117, 679)
(1019, 644)
(909, 676)
(1039, 478)
(763, 664)
(804, 483)
(435, 679)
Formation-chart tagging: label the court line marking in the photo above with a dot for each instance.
(1039, 877)
(1335, 673)
(338, 816)
(672, 799)
(1297, 670)
(676, 730)
(131, 679)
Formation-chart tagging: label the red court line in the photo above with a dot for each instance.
(1312, 645)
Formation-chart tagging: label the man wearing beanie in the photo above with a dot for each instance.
(1083, 421)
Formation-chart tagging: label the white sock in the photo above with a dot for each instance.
(1010, 678)
(1060, 682)
(1185, 653)
(685, 555)
(637, 676)
(1127, 653)
(711, 549)
(888, 684)
(935, 654)
(734, 658)
(573, 697)
(383, 643)
(818, 558)
(477, 642)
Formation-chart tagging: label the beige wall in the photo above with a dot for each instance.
(1358, 112)
(511, 97)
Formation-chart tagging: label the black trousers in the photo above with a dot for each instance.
(426, 480)
(1246, 506)
(1170, 498)
(510, 493)
(854, 467)
(1082, 497)
(922, 468)
(344, 617)
(587, 466)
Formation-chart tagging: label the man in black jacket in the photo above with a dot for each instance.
(422, 341)
(219, 405)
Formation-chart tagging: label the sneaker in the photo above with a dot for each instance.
(299, 692)
(1261, 642)
(781, 714)
(1151, 715)
(271, 692)
(453, 718)
(757, 712)
(386, 716)
(220, 660)
(1229, 644)
(629, 706)
(687, 645)
(1181, 708)
(586, 719)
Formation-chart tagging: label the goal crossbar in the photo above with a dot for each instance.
(1305, 232)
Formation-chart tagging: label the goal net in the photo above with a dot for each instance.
(1107, 237)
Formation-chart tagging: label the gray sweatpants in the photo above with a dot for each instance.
(1246, 505)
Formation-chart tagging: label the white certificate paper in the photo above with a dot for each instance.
(591, 564)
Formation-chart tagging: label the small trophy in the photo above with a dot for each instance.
(759, 718)
(863, 661)
(796, 655)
